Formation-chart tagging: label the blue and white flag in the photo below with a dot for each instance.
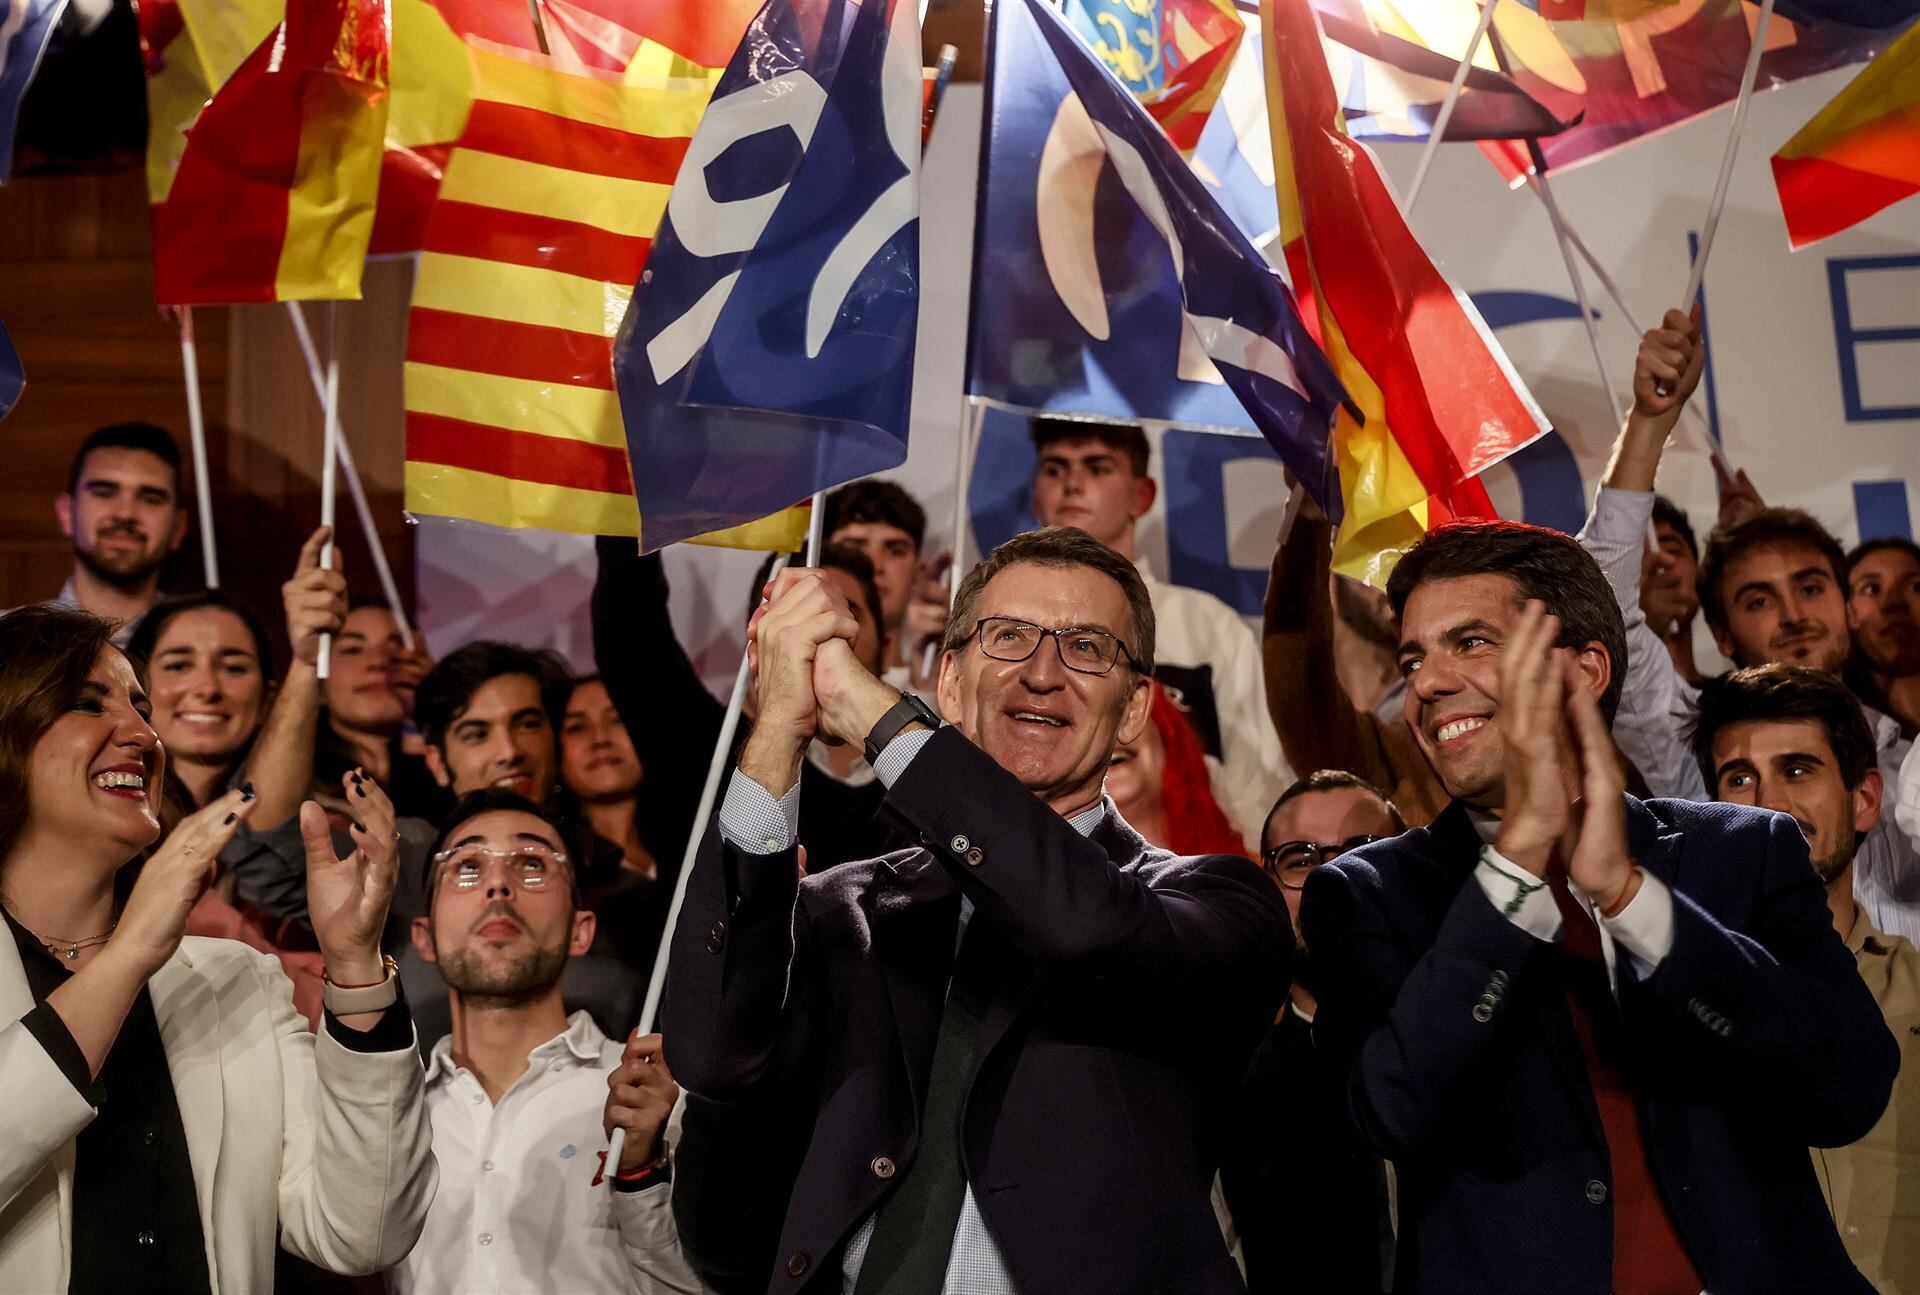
(13, 376)
(1234, 158)
(768, 349)
(1109, 280)
(25, 27)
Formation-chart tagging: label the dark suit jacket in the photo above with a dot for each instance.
(1753, 1039)
(1138, 987)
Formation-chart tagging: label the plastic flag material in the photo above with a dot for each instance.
(768, 350)
(12, 376)
(274, 194)
(190, 48)
(1442, 403)
(1171, 55)
(1625, 78)
(1859, 154)
(25, 27)
(544, 220)
(1222, 318)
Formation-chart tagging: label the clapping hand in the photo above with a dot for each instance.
(348, 895)
(172, 880)
(1533, 680)
(1600, 864)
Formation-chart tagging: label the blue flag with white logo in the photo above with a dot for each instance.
(13, 377)
(25, 27)
(1110, 281)
(768, 349)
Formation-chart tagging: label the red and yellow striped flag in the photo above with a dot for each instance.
(1860, 153)
(273, 195)
(544, 219)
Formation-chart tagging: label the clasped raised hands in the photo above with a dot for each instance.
(1564, 786)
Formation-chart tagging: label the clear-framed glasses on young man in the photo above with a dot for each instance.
(1289, 862)
(531, 866)
(1082, 648)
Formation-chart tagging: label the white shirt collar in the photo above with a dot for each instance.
(581, 1039)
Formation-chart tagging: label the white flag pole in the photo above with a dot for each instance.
(1447, 104)
(1545, 190)
(1714, 208)
(382, 568)
(197, 433)
(709, 795)
(329, 457)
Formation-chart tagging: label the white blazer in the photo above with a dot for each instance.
(285, 1129)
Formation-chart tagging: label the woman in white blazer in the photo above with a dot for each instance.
(168, 1112)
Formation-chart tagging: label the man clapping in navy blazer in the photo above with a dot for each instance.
(1012, 1046)
(1595, 1035)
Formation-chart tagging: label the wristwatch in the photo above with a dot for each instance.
(345, 1000)
(908, 710)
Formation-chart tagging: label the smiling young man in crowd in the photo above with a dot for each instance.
(1773, 588)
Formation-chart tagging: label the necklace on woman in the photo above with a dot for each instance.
(73, 947)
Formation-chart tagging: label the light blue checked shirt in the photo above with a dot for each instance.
(754, 822)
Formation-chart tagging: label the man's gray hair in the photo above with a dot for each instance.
(1058, 546)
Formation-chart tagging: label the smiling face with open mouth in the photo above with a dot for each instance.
(208, 689)
(95, 774)
(1053, 728)
(1451, 636)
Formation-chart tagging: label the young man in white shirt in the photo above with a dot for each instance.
(1094, 475)
(522, 1097)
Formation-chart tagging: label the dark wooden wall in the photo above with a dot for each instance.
(76, 293)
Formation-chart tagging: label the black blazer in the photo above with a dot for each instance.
(1752, 1040)
(1139, 986)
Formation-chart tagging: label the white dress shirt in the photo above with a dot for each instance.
(517, 1211)
(1658, 710)
(754, 822)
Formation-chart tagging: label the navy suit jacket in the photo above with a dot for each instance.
(1136, 989)
(1752, 1040)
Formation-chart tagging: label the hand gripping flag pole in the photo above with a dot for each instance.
(382, 568)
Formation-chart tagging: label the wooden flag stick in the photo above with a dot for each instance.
(197, 432)
(1714, 208)
(1447, 104)
(381, 567)
(329, 458)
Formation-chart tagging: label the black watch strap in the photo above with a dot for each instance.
(908, 710)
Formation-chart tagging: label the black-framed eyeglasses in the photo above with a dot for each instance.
(1289, 862)
(1082, 648)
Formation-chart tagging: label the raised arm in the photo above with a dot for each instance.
(1655, 701)
(281, 765)
(1319, 726)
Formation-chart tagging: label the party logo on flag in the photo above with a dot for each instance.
(1109, 281)
(768, 350)
(25, 28)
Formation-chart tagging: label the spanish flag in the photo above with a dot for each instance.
(1859, 154)
(1442, 403)
(273, 195)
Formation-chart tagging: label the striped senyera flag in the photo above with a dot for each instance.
(544, 219)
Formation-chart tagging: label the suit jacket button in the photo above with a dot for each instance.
(1596, 1191)
(798, 1264)
(974, 857)
(1482, 1012)
(715, 944)
(1500, 978)
(959, 844)
(719, 930)
(883, 1167)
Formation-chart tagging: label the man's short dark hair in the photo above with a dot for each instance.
(833, 557)
(1334, 780)
(1767, 528)
(1778, 693)
(491, 800)
(1545, 564)
(1867, 548)
(1671, 515)
(1127, 438)
(449, 687)
(157, 441)
(875, 501)
(1057, 546)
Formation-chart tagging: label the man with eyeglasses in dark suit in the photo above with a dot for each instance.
(1307, 1197)
(1007, 1052)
